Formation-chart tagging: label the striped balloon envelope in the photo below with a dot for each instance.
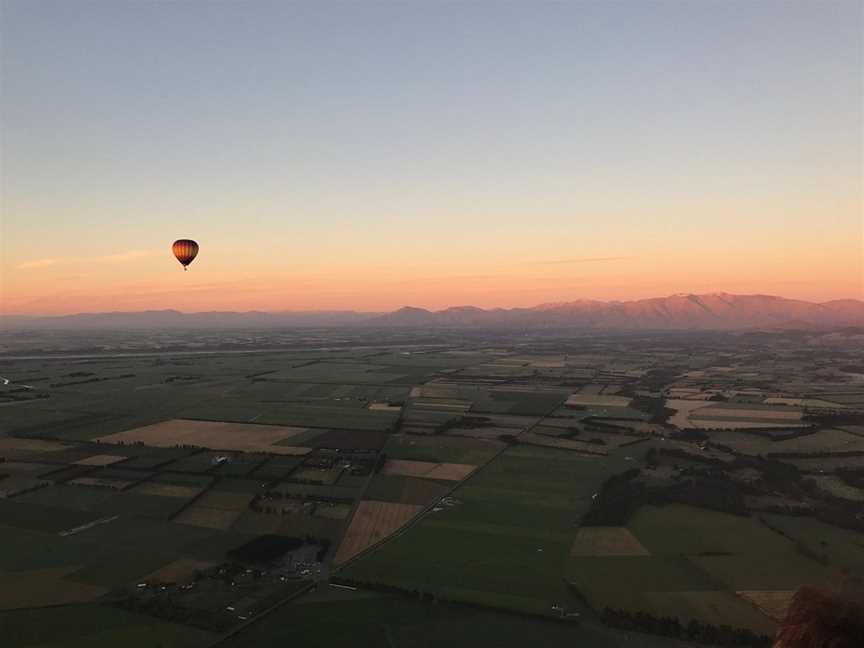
(185, 250)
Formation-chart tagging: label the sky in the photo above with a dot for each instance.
(370, 155)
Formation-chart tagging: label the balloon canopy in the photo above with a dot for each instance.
(185, 250)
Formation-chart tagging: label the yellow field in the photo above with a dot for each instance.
(372, 522)
(606, 541)
(384, 407)
(96, 482)
(427, 469)
(774, 415)
(166, 490)
(100, 460)
(435, 390)
(773, 603)
(215, 435)
(597, 400)
(180, 571)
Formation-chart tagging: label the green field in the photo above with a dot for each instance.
(94, 626)
(506, 540)
(841, 548)
(739, 552)
(501, 540)
(22, 549)
(677, 529)
(333, 619)
(441, 449)
(699, 559)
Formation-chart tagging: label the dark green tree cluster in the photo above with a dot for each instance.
(722, 635)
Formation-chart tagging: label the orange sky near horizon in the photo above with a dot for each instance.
(220, 279)
(796, 245)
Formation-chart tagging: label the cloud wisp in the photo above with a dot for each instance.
(38, 263)
(129, 255)
(120, 257)
(584, 260)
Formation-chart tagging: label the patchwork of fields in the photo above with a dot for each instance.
(555, 478)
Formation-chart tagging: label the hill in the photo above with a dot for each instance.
(713, 311)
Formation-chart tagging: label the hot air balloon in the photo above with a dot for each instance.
(185, 250)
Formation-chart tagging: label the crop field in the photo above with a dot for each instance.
(600, 411)
(290, 489)
(179, 571)
(448, 405)
(406, 490)
(372, 522)
(547, 441)
(676, 530)
(772, 603)
(441, 449)
(597, 400)
(683, 409)
(485, 433)
(332, 511)
(821, 441)
(208, 434)
(785, 569)
(22, 550)
(317, 475)
(161, 489)
(758, 413)
(712, 606)
(824, 440)
(101, 482)
(371, 619)
(225, 500)
(841, 548)
(827, 464)
(254, 523)
(208, 516)
(278, 467)
(838, 488)
(466, 467)
(127, 565)
(29, 449)
(100, 460)
(36, 517)
(663, 586)
(353, 373)
(18, 478)
(44, 587)
(505, 537)
(728, 418)
(428, 470)
(606, 541)
(517, 403)
(699, 560)
(95, 626)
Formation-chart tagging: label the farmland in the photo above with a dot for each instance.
(451, 479)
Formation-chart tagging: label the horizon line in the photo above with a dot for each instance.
(409, 306)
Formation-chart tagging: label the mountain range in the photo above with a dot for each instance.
(713, 311)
